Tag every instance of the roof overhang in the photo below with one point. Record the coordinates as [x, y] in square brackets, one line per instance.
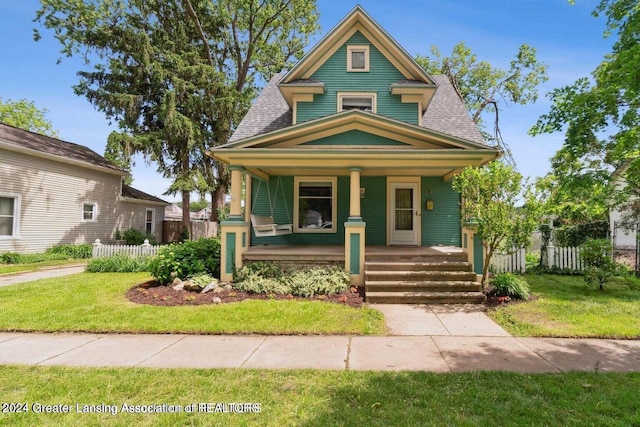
[291, 151]
[65, 160]
[414, 92]
[301, 91]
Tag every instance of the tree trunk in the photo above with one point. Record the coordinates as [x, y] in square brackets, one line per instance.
[217, 203]
[186, 213]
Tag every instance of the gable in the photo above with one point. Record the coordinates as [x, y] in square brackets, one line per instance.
[356, 138]
[381, 75]
[357, 21]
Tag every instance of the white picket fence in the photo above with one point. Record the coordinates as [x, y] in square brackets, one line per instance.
[563, 258]
[102, 251]
[509, 263]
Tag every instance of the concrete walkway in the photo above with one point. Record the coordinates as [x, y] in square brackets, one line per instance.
[44, 273]
[425, 353]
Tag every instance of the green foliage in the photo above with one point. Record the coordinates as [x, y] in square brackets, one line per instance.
[490, 195]
[136, 237]
[72, 251]
[601, 121]
[25, 115]
[576, 235]
[267, 278]
[599, 267]
[119, 263]
[16, 258]
[186, 259]
[508, 284]
[266, 269]
[202, 279]
[484, 88]
[532, 259]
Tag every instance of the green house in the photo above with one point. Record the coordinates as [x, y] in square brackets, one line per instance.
[353, 149]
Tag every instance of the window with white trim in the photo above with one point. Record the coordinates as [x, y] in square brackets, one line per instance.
[150, 221]
[315, 205]
[357, 58]
[9, 215]
[357, 101]
[89, 212]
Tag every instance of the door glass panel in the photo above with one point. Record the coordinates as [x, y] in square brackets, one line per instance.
[404, 209]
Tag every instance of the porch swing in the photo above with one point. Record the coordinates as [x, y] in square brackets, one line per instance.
[265, 226]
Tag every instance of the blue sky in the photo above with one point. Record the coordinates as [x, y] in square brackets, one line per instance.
[567, 37]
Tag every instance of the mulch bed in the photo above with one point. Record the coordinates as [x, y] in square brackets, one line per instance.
[153, 293]
[498, 301]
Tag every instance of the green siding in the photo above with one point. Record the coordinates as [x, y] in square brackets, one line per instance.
[355, 137]
[230, 253]
[440, 226]
[374, 209]
[478, 255]
[333, 73]
[283, 212]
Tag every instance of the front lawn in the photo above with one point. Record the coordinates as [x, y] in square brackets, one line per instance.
[319, 398]
[567, 307]
[96, 302]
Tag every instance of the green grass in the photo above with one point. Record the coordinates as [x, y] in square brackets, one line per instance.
[323, 398]
[21, 268]
[567, 307]
[96, 302]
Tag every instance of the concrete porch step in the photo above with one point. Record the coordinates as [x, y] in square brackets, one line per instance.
[425, 297]
[415, 257]
[422, 276]
[418, 266]
[425, 286]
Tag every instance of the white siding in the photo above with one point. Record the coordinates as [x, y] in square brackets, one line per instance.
[52, 196]
[133, 215]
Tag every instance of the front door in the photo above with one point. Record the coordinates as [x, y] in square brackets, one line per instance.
[405, 214]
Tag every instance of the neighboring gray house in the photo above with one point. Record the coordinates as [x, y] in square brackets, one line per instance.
[54, 192]
[623, 228]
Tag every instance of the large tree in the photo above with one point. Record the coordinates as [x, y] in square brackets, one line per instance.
[177, 75]
[486, 89]
[504, 209]
[25, 115]
[600, 116]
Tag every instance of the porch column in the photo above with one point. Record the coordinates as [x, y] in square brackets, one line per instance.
[354, 233]
[234, 232]
[354, 200]
[472, 245]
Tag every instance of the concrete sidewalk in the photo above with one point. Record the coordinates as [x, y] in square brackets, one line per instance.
[425, 353]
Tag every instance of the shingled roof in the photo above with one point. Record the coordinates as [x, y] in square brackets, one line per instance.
[47, 145]
[132, 193]
[446, 114]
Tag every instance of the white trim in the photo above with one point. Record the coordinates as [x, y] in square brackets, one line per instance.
[372, 95]
[153, 220]
[357, 48]
[17, 205]
[296, 206]
[391, 181]
[94, 212]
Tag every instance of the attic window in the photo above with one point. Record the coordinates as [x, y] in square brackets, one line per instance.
[357, 101]
[358, 58]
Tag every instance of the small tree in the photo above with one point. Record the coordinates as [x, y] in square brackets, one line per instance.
[490, 194]
[599, 267]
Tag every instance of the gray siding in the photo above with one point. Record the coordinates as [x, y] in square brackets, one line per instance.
[52, 197]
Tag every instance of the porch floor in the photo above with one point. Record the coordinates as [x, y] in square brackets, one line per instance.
[336, 252]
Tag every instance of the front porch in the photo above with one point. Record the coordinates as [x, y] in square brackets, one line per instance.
[391, 274]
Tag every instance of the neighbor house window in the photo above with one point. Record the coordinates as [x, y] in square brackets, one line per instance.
[89, 212]
[315, 205]
[9, 215]
[357, 101]
[358, 58]
[150, 221]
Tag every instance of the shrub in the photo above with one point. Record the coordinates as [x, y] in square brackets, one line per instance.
[576, 235]
[186, 259]
[136, 237]
[267, 278]
[266, 269]
[508, 284]
[16, 258]
[532, 260]
[72, 251]
[10, 258]
[118, 263]
[599, 267]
